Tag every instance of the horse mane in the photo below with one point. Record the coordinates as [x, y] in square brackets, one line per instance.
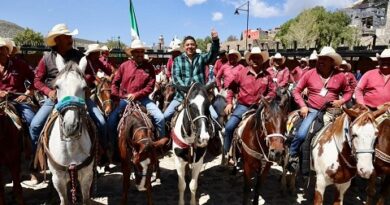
[71, 66]
[365, 118]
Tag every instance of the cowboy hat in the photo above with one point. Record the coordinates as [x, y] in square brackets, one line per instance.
[234, 52]
[136, 44]
[175, 47]
[345, 63]
[279, 57]
[57, 30]
[331, 53]
[385, 54]
[105, 48]
[257, 51]
[93, 48]
[304, 59]
[6, 43]
[313, 56]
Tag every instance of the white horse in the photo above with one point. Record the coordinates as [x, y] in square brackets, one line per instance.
[190, 138]
[344, 149]
[70, 154]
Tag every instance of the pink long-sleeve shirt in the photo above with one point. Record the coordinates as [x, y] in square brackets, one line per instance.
[228, 73]
[372, 89]
[280, 76]
[336, 85]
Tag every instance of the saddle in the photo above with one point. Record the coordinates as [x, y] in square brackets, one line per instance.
[11, 112]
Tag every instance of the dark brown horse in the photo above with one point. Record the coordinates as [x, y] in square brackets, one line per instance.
[137, 149]
[10, 152]
[262, 140]
[382, 160]
[103, 95]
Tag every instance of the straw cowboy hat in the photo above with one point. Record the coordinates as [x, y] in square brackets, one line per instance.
[257, 51]
[279, 57]
[345, 63]
[136, 44]
[6, 43]
[57, 30]
[93, 48]
[330, 52]
[313, 56]
[385, 54]
[234, 52]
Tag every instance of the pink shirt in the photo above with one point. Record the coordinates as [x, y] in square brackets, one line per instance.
[169, 68]
[372, 90]
[295, 74]
[251, 87]
[280, 76]
[336, 85]
[228, 73]
[351, 80]
[218, 65]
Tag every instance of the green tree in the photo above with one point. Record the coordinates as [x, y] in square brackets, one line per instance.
[28, 37]
[202, 43]
[111, 44]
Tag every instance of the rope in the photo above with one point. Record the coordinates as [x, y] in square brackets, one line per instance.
[382, 156]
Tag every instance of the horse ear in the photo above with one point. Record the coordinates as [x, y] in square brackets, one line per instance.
[351, 113]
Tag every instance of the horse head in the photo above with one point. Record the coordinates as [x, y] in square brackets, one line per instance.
[196, 117]
[362, 137]
[273, 118]
[103, 92]
[70, 86]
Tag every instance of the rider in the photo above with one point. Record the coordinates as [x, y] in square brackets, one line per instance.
[296, 73]
[135, 80]
[252, 83]
[228, 71]
[279, 72]
[189, 67]
[373, 89]
[312, 62]
[176, 51]
[13, 74]
[60, 40]
[324, 84]
[105, 60]
[221, 61]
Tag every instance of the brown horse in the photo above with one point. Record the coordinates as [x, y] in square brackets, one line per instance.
[381, 161]
[137, 148]
[262, 140]
[10, 152]
[103, 95]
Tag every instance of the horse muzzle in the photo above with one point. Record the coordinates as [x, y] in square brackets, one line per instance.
[275, 155]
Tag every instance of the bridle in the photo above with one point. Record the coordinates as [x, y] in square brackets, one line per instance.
[350, 138]
[99, 90]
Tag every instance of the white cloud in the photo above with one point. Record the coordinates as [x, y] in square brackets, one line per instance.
[262, 9]
[190, 3]
[217, 16]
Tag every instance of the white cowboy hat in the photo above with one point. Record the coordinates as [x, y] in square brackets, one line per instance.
[136, 44]
[234, 52]
[304, 59]
[175, 47]
[93, 48]
[257, 51]
[385, 54]
[313, 56]
[330, 52]
[279, 56]
[6, 43]
[57, 30]
[344, 62]
[105, 48]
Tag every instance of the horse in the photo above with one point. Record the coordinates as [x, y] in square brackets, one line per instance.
[10, 151]
[262, 139]
[103, 95]
[137, 148]
[69, 136]
[190, 135]
[344, 148]
[381, 160]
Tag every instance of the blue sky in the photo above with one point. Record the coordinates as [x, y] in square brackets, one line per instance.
[104, 19]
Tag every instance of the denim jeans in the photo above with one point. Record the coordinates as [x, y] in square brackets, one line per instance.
[231, 125]
[302, 132]
[171, 109]
[26, 112]
[99, 120]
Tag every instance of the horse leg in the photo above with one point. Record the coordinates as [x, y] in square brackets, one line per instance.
[385, 190]
[341, 189]
[149, 194]
[2, 198]
[319, 190]
[86, 178]
[181, 169]
[371, 189]
[59, 182]
[126, 180]
[247, 182]
[194, 180]
[17, 188]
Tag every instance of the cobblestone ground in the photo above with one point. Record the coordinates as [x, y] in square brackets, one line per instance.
[216, 187]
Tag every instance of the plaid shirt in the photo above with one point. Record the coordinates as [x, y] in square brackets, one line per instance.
[184, 73]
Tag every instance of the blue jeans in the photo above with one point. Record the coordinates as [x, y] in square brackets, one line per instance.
[39, 121]
[26, 112]
[301, 134]
[171, 109]
[231, 125]
[99, 120]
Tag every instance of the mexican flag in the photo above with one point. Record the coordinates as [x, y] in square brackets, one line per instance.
[133, 22]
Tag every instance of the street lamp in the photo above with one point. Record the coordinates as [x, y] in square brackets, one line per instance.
[240, 8]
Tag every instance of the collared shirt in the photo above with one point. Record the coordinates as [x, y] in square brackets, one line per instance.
[228, 73]
[251, 87]
[92, 68]
[185, 72]
[280, 76]
[218, 66]
[15, 73]
[169, 67]
[296, 74]
[352, 82]
[336, 85]
[372, 89]
[133, 79]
